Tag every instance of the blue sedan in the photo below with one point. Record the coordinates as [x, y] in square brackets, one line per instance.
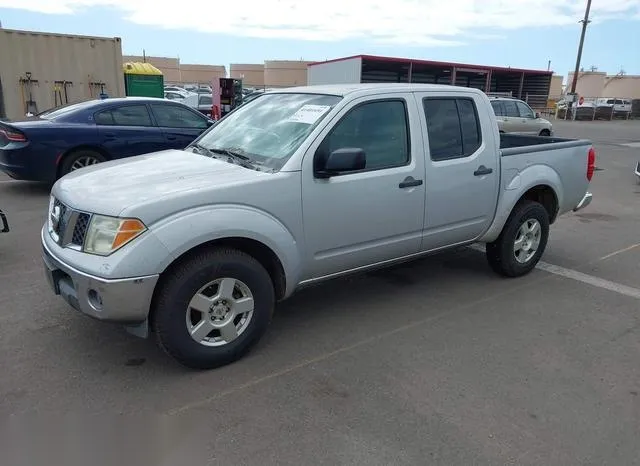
[56, 142]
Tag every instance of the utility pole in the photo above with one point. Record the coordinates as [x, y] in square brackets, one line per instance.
[584, 22]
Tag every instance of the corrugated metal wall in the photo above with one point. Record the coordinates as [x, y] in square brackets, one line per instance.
[78, 60]
[335, 72]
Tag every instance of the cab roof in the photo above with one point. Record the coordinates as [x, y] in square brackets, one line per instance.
[343, 90]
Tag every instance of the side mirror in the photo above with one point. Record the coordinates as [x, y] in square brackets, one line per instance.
[537, 115]
[210, 123]
[348, 159]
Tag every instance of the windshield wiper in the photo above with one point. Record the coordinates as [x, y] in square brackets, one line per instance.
[231, 152]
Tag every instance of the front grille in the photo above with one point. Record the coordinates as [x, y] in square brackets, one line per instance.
[80, 229]
[60, 226]
[68, 226]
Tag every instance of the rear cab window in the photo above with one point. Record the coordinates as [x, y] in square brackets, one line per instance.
[453, 127]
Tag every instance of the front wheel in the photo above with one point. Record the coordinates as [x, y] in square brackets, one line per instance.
[545, 132]
[213, 308]
[522, 241]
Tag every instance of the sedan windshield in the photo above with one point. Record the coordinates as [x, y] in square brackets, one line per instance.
[268, 130]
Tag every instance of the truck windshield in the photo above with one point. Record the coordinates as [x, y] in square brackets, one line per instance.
[269, 129]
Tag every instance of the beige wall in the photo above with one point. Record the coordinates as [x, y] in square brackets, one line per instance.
[285, 73]
[252, 75]
[201, 73]
[555, 89]
[598, 84]
[622, 86]
[170, 67]
[56, 57]
[176, 72]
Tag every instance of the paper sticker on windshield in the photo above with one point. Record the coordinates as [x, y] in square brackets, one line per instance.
[309, 114]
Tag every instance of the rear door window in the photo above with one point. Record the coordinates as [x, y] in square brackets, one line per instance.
[128, 115]
[498, 108]
[510, 109]
[453, 127]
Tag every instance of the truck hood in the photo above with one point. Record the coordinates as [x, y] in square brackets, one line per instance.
[111, 187]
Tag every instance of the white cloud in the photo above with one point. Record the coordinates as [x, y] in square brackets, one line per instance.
[410, 22]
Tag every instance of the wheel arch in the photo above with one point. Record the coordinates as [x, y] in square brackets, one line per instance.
[256, 249]
[69, 152]
[545, 195]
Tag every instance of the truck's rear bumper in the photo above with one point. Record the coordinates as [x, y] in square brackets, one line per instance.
[586, 200]
[125, 301]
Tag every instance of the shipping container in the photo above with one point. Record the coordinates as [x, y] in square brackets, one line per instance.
[39, 70]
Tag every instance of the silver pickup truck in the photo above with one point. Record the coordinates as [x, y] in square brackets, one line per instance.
[298, 186]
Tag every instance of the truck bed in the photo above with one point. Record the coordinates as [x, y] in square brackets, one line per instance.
[514, 144]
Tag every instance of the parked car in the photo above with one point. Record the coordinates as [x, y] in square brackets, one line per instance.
[59, 141]
[615, 108]
[176, 89]
[4, 223]
[584, 111]
[296, 187]
[515, 116]
[205, 104]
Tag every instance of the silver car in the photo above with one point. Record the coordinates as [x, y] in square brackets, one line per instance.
[515, 116]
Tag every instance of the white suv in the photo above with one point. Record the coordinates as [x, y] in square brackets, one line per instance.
[515, 116]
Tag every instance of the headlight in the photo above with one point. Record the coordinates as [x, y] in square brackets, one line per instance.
[108, 234]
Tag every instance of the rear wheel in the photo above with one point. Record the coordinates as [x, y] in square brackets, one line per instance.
[522, 241]
[80, 159]
[213, 308]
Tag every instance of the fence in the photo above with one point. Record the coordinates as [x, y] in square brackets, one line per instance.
[595, 108]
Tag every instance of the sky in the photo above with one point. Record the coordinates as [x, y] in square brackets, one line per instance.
[516, 33]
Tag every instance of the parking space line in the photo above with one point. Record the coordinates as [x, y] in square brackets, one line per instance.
[590, 279]
[620, 251]
[583, 277]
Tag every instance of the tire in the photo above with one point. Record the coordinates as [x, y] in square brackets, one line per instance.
[501, 253]
[545, 132]
[79, 159]
[174, 320]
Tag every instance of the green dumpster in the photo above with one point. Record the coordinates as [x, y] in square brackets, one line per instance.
[143, 80]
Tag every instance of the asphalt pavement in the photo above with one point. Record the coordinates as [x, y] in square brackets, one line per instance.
[434, 362]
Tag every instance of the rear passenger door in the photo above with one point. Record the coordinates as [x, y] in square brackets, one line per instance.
[179, 125]
[127, 130]
[462, 171]
[514, 123]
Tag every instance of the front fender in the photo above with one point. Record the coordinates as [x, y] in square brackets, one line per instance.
[186, 230]
[514, 185]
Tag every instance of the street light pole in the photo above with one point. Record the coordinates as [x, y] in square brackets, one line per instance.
[584, 22]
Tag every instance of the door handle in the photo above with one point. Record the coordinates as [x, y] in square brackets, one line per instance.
[172, 138]
[409, 182]
[109, 135]
[482, 170]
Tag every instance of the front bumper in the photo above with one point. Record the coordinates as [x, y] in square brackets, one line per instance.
[125, 301]
[586, 200]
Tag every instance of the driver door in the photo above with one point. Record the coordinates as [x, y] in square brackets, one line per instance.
[355, 219]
